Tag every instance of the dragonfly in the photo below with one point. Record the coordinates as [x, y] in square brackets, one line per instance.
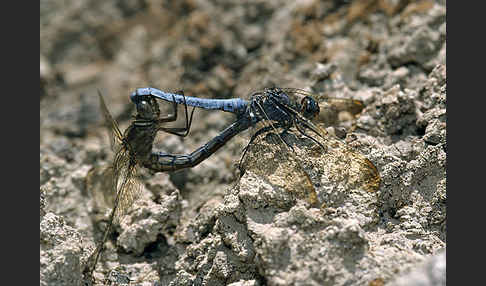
[132, 149]
[285, 109]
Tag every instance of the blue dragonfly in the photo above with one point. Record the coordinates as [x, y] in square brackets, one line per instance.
[279, 108]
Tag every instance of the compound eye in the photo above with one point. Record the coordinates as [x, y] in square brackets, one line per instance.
[310, 108]
[144, 110]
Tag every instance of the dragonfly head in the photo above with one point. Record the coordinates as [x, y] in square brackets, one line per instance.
[309, 107]
[147, 108]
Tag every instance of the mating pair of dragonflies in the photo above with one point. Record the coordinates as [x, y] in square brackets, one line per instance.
[283, 109]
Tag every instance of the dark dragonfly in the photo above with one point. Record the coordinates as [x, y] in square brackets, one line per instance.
[132, 149]
[278, 108]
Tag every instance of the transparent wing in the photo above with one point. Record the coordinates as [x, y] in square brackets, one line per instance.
[116, 136]
[335, 110]
[277, 162]
[330, 163]
[127, 188]
[342, 162]
[99, 182]
[272, 160]
[125, 182]
[348, 166]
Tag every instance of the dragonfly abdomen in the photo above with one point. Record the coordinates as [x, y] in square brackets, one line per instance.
[233, 105]
[162, 162]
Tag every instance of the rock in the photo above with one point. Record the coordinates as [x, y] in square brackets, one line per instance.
[143, 226]
[61, 252]
[431, 272]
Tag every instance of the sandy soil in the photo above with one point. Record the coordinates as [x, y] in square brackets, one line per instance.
[212, 225]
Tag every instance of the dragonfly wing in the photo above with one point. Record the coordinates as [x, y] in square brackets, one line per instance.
[333, 110]
[307, 172]
[352, 106]
[271, 158]
[125, 181]
[99, 183]
[344, 164]
[116, 136]
[126, 187]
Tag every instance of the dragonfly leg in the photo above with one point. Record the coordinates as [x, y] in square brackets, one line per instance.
[302, 131]
[171, 117]
[179, 131]
[285, 131]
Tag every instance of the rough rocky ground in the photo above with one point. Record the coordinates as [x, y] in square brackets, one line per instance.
[211, 225]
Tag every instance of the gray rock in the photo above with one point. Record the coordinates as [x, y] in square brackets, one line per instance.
[431, 272]
[61, 252]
